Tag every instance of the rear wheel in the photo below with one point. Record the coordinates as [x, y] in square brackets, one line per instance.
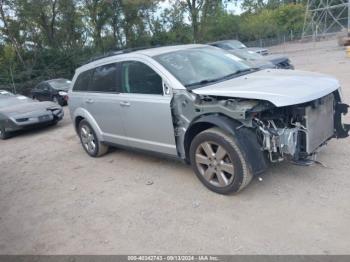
[90, 141]
[218, 162]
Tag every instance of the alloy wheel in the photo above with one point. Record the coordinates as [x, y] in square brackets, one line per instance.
[214, 164]
[88, 139]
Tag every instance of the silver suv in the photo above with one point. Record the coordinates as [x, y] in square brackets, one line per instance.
[200, 104]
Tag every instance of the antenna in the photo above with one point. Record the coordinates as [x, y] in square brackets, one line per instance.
[324, 17]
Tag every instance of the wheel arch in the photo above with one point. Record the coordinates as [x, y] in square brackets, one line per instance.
[80, 114]
[245, 137]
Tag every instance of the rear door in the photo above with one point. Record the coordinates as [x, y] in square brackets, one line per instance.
[102, 100]
[146, 109]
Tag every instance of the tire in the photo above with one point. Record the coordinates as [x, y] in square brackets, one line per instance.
[88, 138]
[3, 134]
[225, 171]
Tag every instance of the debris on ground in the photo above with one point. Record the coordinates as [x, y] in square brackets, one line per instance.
[149, 182]
[109, 179]
[196, 204]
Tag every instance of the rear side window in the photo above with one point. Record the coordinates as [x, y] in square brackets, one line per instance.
[83, 81]
[139, 78]
[106, 79]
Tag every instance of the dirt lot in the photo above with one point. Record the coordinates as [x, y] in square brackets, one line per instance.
[54, 199]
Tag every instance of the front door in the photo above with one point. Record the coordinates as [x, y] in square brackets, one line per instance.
[146, 109]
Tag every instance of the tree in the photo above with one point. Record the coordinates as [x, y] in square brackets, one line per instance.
[7, 62]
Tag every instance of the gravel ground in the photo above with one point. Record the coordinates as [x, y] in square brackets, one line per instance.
[54, 199]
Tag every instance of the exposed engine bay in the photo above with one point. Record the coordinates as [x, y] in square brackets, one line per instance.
[293, 132]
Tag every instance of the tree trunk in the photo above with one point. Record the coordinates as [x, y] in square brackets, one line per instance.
[12, 39]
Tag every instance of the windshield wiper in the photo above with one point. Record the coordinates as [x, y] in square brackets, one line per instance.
[203, 82]
[207, 81]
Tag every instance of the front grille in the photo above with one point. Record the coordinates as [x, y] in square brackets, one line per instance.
[319, 122]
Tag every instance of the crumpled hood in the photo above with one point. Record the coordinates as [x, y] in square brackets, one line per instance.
[278, 86]
[28, 107]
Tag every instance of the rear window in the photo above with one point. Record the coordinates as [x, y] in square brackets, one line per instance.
[106, 79]
[83, 81]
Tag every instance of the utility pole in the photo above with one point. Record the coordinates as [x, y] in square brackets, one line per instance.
[323, 17]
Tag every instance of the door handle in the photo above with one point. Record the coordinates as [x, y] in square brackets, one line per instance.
[89, 101]
[124, 103]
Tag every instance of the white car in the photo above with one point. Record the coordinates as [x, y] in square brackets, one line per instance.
[202, 105]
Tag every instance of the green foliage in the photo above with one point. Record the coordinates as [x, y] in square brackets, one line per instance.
[290, 17]
[43, 39]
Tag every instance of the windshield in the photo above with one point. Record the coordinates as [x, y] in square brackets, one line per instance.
[60, 84]
[198, 66]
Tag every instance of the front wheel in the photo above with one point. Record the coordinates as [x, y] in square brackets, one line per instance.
[218, 162]
[3, 134]
[90, 141]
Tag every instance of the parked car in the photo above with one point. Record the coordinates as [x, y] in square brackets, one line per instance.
[52, 90]
[197, 103]
[18, 112]
[235, 44]
[260, 64]
[4, 93]
[268, 61]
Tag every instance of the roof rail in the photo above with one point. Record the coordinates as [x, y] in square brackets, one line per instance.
[118, 52]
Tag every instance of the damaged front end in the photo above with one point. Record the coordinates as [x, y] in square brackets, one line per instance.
[298, 132]
[292, 132]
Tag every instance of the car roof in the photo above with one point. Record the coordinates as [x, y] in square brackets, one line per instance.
[56, 80]
[167, 49]
[151, 52]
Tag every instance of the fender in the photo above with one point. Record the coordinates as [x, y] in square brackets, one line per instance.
[81, 112]
[246, 139]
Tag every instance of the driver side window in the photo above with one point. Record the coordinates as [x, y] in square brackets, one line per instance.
[139, 78]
